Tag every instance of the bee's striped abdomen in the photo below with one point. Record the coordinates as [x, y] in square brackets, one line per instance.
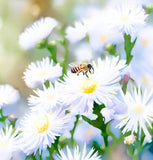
[75, 70]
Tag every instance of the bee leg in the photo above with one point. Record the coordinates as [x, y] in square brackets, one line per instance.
[78, 73]
[86, 74]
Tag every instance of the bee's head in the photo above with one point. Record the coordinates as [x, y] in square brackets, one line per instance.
[90, 67]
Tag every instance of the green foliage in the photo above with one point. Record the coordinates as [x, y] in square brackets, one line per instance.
[128, 46]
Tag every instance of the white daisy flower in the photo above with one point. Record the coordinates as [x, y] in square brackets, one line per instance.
[40, 128]
[8, 95]
[41, 71]
[37, 31]
[126, 18]
[76, 33]
[139, 112]
[47, 98]
[80, 92]
[8, 143]
[76, 154]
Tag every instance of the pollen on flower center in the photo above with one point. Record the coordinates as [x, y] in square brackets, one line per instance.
[42, 124]
[144, 42]
[103, 38]
[50, 97]
[124, 18]
[138, 109]
[88, 85]
[89, 132]
[4, 143]
[42, 74]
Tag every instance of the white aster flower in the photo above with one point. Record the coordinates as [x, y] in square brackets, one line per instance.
[139, 112]
[37, 31]
[76, 33]
[76, 154]
[47, 98]
[40, 128]
[126, 18]
[41, 71]
[8, 143]
[8, 95]
[80, 92]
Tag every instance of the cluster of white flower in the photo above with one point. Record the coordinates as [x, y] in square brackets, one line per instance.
[59, 98]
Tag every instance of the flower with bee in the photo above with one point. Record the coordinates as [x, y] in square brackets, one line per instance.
[80, 91]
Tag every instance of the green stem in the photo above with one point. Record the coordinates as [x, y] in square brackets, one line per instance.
[73, 130]
[2, 117]
[54, 147]
[65, 63]
[52, 51]
[128, 46]
[99, 122]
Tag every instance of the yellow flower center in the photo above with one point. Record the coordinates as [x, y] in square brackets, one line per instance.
[144, 42]
[103, 38]
[42, 125]
[50, 97]
[89, 132]
[4, 143]
[43, 74]
[124, 18]
[138, 109]
[88, 85]
[145, 79]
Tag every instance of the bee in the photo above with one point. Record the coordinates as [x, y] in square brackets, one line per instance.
[83, 67]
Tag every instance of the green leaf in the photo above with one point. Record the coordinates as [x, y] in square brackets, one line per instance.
[128, 46]
[98, 122]
[73, 130]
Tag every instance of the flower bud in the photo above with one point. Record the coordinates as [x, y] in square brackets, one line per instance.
[12, 117]
[149, 8]
[51, 44]
[41, 44]
[129, 139]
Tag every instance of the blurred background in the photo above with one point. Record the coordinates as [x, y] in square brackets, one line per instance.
[15, 15]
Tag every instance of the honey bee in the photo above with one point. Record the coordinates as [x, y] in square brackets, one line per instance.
[83, 67]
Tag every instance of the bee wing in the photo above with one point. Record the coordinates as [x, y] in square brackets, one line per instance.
[74, 64]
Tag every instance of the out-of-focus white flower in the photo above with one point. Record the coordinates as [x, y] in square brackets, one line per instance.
[102, 35]
[48, 98]
[40, 71]
[139, 112]
[83, 52]
[80, 92]
[8, 143]
[143, 46]
[86, 133]
[76, 33]
[8, 95]
[129, 139]
[141, 63]
[126, 18]
[37, 31]
[130, 2]
[76, 154]
[40, 128]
